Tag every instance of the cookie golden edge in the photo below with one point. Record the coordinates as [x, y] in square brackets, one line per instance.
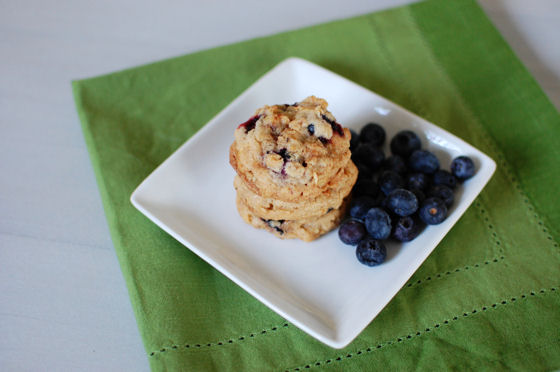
[274, 209]
[306, 230]
[285, 192]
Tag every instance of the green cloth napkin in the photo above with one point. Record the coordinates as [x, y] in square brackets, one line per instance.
[487, 298]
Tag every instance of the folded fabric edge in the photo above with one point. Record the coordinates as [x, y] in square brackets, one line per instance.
[77, 91]
[537, 198]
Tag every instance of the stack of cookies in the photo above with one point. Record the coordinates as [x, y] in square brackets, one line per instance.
[294, 173]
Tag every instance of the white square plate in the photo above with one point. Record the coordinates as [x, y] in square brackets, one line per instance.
[317, 286]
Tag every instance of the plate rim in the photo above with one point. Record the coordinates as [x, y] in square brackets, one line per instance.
[334, 342]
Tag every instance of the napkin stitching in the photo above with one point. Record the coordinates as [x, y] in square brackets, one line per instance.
[223, 342]
[531, 210]
[496, 240]
[420, 109]
[489, 225]
[231, 340]
[508, 170]
[456, 270]
[433, 328]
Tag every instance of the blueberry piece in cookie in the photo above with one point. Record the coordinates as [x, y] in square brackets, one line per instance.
[311, 129]
[284, 154]
[249, 125]
[336, 128]
[273, 224]
[290, 152]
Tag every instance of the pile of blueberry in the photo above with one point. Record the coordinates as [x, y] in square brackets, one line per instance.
[396, 196]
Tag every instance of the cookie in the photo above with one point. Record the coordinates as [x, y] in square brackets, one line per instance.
[273, 209]
[306, 229]
[290, 152]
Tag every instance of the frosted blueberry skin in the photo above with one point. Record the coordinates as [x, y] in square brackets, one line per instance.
[373, 133]
[378, 223]
[361, 205]
[368, 155]
[406, 229]
[443, 177]
[442, 192]
[351, 232]
[402, 202]
[371, 252]
[433, 211]
[395, 163]
[416, 180]
[462, 167]
[405, 143]
[412, 190]
[420, 196]
[389, 181]
[423, 161]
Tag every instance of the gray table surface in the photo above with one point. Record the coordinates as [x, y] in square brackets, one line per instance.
[63, 301]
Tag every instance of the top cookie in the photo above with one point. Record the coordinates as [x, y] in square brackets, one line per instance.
[290, 152]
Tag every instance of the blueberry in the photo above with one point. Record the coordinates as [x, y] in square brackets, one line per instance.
[373, 133]
[404, 143]
[402, 202]
[274, 224]
[368, 155]
[389, 180]
[423, 161]
[386, 205]
[365, 186]
[433, 211]
[462, 167]
[336, 128]
[442, 192]
[249, 125]
[406, 229]
[420, 196]
[395, 163]
[351, 232]
[378, 223]
[360, 205]
[443, 177]
[371, 252]
[311, 129]
[354, 140]
[364, 172]
[284, 154]
[418, 181]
